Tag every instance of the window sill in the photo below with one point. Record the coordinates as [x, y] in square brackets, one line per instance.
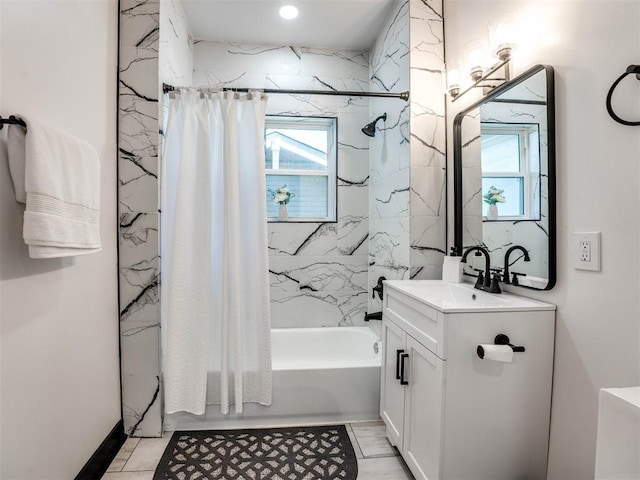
[511, 219]
[301, 220]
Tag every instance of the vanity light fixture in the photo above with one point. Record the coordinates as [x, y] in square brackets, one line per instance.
[289, 12]
[485, 77]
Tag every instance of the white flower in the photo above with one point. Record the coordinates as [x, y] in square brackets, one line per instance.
[499, 198]
[280, 197]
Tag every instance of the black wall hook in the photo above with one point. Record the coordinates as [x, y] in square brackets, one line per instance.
[631, 69]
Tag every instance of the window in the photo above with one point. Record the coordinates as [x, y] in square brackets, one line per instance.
[300, 152]
[509, 163]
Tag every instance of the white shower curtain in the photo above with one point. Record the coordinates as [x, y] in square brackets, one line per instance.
[216, 343]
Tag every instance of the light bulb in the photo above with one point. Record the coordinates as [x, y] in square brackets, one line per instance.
[453, 78]
[289, 12]
[502, 35]
[475, 58]
[453, 82]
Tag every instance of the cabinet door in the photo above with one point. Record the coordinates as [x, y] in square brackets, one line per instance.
[423, 412]
[391, 391]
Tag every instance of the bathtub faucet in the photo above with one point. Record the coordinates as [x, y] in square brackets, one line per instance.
[379, 288]
[372, 316]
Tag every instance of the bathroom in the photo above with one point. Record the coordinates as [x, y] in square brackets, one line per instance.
[61, 354]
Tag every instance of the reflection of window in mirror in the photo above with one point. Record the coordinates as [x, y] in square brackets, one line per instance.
[300, 152]
[511, 162]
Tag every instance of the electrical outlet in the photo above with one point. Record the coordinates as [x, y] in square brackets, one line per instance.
[587, 251]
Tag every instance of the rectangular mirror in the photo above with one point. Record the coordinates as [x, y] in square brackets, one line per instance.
[504, 177]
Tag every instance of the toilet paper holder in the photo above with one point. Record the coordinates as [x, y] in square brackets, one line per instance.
[501, 339]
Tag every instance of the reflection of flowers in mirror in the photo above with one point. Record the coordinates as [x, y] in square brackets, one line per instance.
[281, 195]
[494, 195]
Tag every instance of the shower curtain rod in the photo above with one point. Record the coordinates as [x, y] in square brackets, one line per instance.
[403, 95]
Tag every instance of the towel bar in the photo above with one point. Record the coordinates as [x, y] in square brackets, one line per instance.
[630, 70]
[11, 120]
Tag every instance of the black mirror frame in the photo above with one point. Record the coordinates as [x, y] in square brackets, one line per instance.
[551, 160]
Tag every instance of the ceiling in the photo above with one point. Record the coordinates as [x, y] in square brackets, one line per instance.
[344, 24]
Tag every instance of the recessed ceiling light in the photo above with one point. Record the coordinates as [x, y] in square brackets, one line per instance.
[289, 12]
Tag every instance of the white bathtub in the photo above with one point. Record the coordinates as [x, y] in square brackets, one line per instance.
[320, 375]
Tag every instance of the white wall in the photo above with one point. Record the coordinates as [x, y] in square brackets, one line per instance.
[60, 387]
[589, 43]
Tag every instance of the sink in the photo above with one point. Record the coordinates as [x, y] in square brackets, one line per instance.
[462, 297]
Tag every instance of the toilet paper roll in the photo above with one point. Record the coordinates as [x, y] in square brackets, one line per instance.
[497, 353]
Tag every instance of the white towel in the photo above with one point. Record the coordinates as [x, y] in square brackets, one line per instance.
[58, 177]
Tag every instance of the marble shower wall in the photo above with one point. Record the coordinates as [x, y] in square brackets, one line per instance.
[176, 44]
[318, 271]
[428, 139]
[389, 191]
[408, 165]
[149, 30]
[138, 212]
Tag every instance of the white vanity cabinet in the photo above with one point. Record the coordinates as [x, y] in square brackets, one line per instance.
[452, 414]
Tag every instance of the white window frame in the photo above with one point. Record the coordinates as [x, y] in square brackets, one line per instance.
[523, 130]
[328, 124]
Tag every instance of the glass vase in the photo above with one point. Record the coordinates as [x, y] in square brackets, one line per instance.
[492, 212]
[282, 212]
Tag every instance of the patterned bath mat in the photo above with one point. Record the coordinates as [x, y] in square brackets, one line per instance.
[300, 453]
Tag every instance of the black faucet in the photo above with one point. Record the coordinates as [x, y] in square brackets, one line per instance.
[372, 316]
[506, 261]
[484, 282]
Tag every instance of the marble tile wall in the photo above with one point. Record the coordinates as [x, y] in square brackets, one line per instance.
[428, 139]
[138, 213]
[472, 181]
[408, 167]
[149, 30]
[389, 191]
[318, 271]
[176, 44]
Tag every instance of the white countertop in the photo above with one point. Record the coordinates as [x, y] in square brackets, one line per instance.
[462, 297]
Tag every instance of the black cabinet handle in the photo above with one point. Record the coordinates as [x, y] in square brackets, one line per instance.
[403, 357]
[398, 353]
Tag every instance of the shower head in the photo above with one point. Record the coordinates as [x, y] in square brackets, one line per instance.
[370, 128]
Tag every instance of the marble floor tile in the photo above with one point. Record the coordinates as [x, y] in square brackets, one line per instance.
[389, 468]
[146, 455]
[123, 455]
[372, 439]
[148, 475]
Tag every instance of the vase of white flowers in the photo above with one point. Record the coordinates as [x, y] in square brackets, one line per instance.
[493, 197]
[282, 196]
